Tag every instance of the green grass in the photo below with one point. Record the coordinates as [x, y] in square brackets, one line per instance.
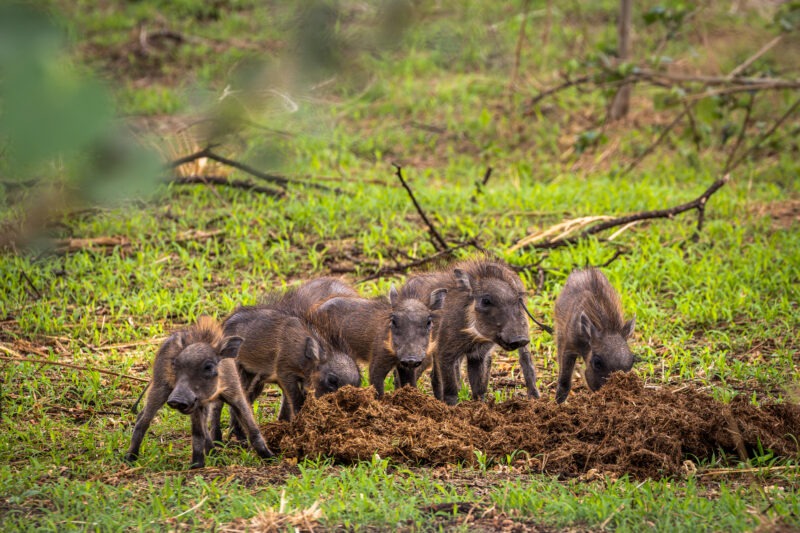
[718, 312]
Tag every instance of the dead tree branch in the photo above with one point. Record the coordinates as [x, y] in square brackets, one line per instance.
[766, 135]
[726, 84]
[438, 241]
[225, 182]
[208, 153]
[698, 203]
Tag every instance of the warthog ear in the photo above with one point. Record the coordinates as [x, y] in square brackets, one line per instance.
[494, 271]
[393, 296]
[463, 280]
[312, 349]
[627, 329]
[437, 299]
[176, 341]
[586, 329]
[230, 347]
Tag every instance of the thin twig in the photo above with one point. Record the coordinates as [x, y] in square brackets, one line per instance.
[655, 143]
[752, 470]
[781, 83]
[222, 181]
[486, 176]
[668, 80]
[21, 359]
[65, 246]
[479, 185]
[767, 134]
[30, 283]
[740, 137]
[695, 131]
[753, 58]
[739, 89]
[565, 85]
[619, 252]
[698, 203]
[442, 245]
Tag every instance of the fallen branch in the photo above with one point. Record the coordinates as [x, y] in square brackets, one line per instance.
[439, 242]
[698, 203]
[752, 470]
[222, 181]
[65, 246]
[20, 359]
[562, 229]
[208, 153]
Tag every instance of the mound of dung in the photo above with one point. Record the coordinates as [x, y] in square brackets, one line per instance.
[623, 428]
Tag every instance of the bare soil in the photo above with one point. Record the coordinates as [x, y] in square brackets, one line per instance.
[622, 429]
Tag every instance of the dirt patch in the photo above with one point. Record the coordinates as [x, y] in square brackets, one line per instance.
[784, 213]
[621, 429]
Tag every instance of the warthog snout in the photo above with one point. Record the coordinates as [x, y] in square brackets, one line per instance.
[332, 381]
[182, 404]
[411, 362]
[515, 343]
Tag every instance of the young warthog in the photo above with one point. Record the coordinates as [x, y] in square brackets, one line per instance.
[589, 324]
[484, 308]
[386, 334]
[283, 349]
[194, 368]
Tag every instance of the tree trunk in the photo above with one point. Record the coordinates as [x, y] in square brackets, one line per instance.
[619, 106]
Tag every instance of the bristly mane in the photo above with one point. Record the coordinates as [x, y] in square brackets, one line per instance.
[490, 268]
[601, 303]
[207, 330]
[413, 291]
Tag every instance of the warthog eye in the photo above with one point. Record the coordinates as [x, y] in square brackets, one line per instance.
[486, 301]
[393, 322]
[430, 322]
[597, 363]
[210, 369]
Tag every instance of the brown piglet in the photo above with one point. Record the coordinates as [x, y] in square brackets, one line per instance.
[193, 369]
[484, 309]
[384, 333]
[590, 325]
